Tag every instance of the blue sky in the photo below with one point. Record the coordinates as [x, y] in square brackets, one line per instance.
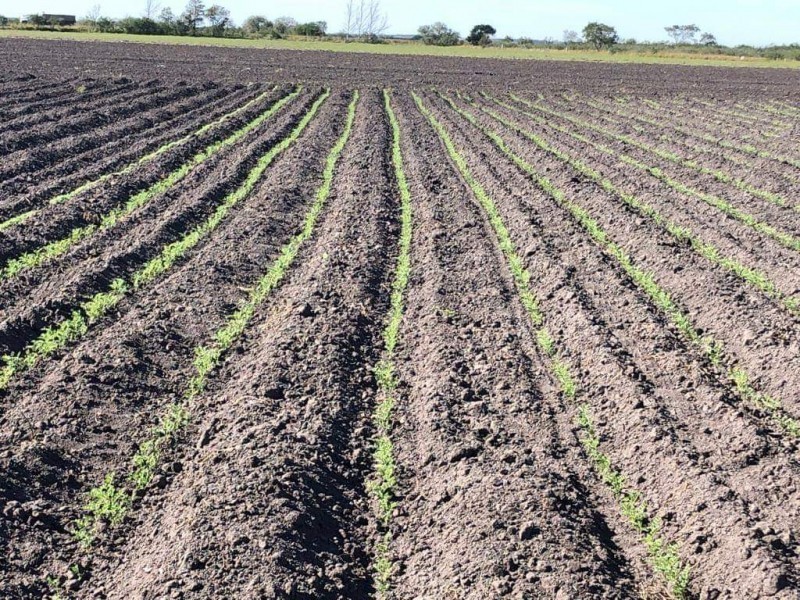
[758, 22]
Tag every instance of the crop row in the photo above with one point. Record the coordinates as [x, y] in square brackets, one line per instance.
[136, 164]
[739, 380]
[748, 149]
[56, 337]
[35, 258]
[753, 277]
[664, 557]
[110, 501]
[116, 144]
[639, 122]
[383, 486]
[784, 238]
[719, 175]
[81, 133]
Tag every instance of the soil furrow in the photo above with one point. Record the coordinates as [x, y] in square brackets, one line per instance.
[783, 215]
[462, 435]
[69, 109]
[122, 375]
[758, 335]
[769, 263]
[646, 444]
[100, 128]
[292, 443]
[156, 128]
[106, 108]
[777, 152]
[67, 285]
[100, 207]
[755, 171]
[54, 94]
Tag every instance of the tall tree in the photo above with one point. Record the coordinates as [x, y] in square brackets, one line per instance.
[481, 35]
[219, 18]
[365, 19]
[682, 34]
[151, 8]
[600, 35]
[194, 14]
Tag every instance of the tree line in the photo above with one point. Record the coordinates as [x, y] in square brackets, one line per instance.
[364, 20]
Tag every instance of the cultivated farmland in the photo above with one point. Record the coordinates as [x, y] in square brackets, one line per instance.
[440, 335]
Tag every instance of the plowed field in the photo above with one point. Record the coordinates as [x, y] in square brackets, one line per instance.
[447, 337]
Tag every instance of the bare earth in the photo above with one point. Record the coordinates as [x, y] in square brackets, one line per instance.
[678, 325]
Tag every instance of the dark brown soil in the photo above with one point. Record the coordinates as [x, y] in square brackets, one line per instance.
[57, 58]
[265, 493]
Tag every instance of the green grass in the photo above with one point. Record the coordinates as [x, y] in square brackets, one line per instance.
[670, 58]
[711, 348]
[664, 557]
[384, 484]
[35, 258]
[57, 337]
[755, 278]
[208, 357]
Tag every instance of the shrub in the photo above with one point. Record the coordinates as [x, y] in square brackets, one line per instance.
[439, 34]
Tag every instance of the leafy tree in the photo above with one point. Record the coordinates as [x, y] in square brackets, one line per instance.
[284, 25]
[105, 25]
[316, 29]
[3, 21]
[439, 34]
[166, 16]
[600, 35]
[219, 18]
[138, 25]
[683, 34]
[571, 37]
[256, 25]
[481, 35]
[193, 15]
[708, 39]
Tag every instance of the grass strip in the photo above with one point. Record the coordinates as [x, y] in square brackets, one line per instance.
[785, 239]
[660, 553]
[35, 258]
[666, 155]
[753, 277]
[111, 501]
[712, 348]
[383, 486]
[55, 338]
